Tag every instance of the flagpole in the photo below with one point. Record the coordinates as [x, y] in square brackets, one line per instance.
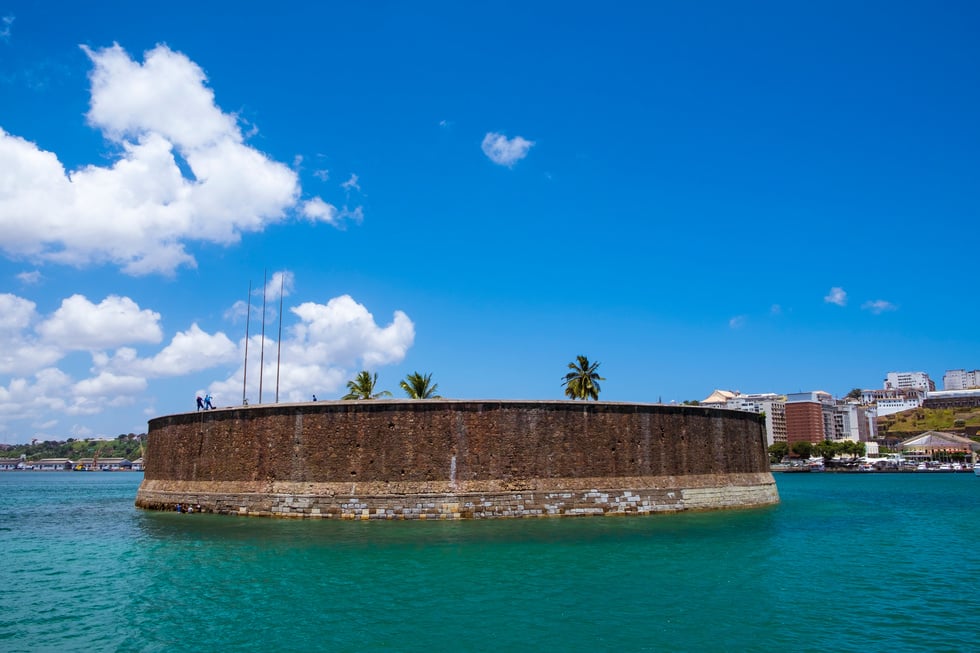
[248, 317]
[265, 279]
[279, 340]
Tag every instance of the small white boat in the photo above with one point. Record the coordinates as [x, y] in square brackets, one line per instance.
[976, 468]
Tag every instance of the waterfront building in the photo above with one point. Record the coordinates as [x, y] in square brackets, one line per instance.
[874, 395]
[901, 380]
[893, 400]
[953, 399]
[768, 403]
[853, 422]
[52, 465]
[809, 417]
[961, 379]
[9, 464]
[773, 406]
[892, 406]
[103, 464]
[718, 398]
[939, 445]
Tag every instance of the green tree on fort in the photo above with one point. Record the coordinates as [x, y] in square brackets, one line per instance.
[583, 380]
[418, 386]
[362, 387]
[854, 394]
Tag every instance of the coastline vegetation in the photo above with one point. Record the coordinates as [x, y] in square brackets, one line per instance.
[127, 445]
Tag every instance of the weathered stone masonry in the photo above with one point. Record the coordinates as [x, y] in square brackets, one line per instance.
[439, 459]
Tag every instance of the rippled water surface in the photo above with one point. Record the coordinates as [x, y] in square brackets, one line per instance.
[844, 563]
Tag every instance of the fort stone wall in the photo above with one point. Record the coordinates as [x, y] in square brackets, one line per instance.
[423, 459]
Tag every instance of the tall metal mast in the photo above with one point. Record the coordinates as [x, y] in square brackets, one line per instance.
[279, 339]
[248, 317]
[265, 280]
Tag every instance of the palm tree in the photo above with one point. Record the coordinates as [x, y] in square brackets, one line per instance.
[362, 387]
[583, 381]
[417, 386]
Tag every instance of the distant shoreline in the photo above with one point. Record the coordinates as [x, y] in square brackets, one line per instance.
[80, 471]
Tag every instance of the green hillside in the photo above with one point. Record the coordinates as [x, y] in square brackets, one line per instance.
[962, 421]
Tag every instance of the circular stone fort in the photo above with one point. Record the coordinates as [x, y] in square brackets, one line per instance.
[456, 459]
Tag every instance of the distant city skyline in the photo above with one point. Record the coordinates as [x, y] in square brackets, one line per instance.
[753, 197]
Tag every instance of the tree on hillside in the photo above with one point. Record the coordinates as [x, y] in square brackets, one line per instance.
[418, 386]
[854, 394]
[362, 387]
[583, 380]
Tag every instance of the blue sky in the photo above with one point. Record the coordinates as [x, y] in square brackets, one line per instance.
[764, 197]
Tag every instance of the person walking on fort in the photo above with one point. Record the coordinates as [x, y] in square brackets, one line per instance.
[207, 402]
[200, 403]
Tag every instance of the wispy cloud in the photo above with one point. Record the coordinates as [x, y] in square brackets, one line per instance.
[737, 322]
[351, 184]
[879, 306]
[836, 296]
[30, 278]
[6, 24]
[283, 281]
[505, 151]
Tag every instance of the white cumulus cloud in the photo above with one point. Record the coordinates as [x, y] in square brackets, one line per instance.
[836, 296]
[279, 281]
[319, 353]
[316, 210]
[505, 151]
[20, 352]
[141, 211]
[189, 351]
[331, 342]
[78, 324]
[108, 386]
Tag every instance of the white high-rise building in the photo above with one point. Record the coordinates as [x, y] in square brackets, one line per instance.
[774, 407]
[854, 422]
[902, 380]
[961, 379]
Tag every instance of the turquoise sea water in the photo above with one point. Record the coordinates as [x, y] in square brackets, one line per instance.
[850, 562]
